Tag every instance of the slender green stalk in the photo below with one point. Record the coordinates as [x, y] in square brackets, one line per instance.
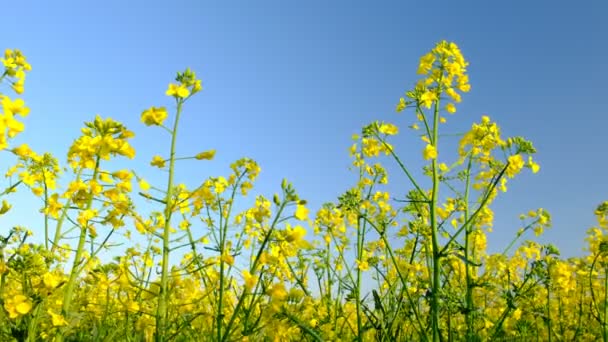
[162, 309]
[76, 265]
[62, 218]
[222, 249]
[46, 216]
[360, 238]
[33, 324]
[435, 286]
[469, 317]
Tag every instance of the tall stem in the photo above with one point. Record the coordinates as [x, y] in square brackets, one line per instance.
[161, 310]
[46, 216]
[469, 317]
[434, 227]
[360, 237]
[76, 265]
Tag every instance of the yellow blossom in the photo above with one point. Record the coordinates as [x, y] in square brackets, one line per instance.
[23, 150]
[227, 258]
[154, 116]
[158, 161]
[143, 185]
[57, 319]
[207, 155]
[249, 279]
[301, 212]
[533, 166]
[362, 265]
[388, 129]
[516, 163]
[177, 91]
[427, 98]
[450, 108]
[5, 207]
[295, 234]
[17, 306]
[429, 152]
[51, 280]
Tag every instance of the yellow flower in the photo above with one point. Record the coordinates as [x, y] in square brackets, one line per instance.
[301, 212]
[426, 63]
[18, 305]
[388, 129]
[197, 86]
[401, 106]
[207, 155]
[294, 235]
[250, 280]
[154, 116]
[516, 163]
[158, 161]
[5, 207]
[465, 88]
[362, 265]
[143, 185]
[53, 206]
[85, 216]
[429, 152]
[14, 107]
[450, 108]
[57, 319]
[534, 166]
[453, 94]
[51, 280]
[132, 306]
[427, 98]
[220, 185]
[23, 151]
[177, 91]
[227, 258]
[277, 292]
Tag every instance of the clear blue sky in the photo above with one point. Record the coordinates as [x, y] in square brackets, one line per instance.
[288, 82]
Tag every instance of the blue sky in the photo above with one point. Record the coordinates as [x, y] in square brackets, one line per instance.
[287, 83]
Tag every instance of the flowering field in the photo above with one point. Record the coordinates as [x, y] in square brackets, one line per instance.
[383, 262]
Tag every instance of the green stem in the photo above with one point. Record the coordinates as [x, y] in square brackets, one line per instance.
[46, 216]
[62, 218]
[67, 298]
[223, 225]
[469, 317]
[360, 237]
[434, 231]
[161, 310]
